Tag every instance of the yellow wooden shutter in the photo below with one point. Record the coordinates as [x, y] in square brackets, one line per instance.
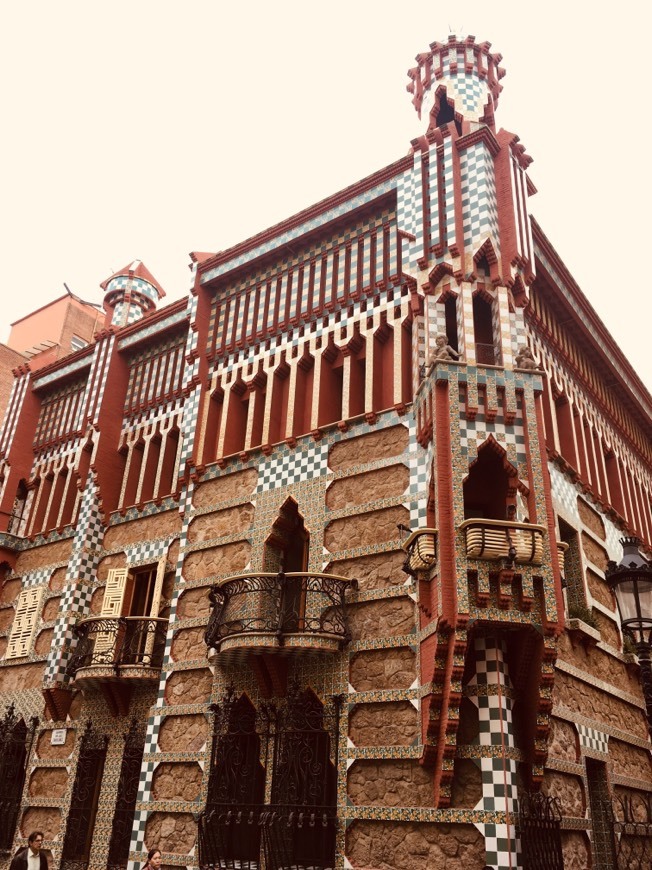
[114, 593]
[24, 625]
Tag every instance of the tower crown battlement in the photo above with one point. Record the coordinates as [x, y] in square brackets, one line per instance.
[464, 73]
[130, 293]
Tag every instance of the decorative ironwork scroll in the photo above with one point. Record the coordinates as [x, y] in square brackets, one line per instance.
[539, 827]
[297, 828]
[123, 818]
[279, 604]
[630, 815]
[229, 827]
[83, 805]
[16, 740]
[118, 642]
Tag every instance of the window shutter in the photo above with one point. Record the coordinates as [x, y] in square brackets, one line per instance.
[114, 594]
[22, 630]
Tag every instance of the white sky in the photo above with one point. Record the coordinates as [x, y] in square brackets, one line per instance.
[148, 129]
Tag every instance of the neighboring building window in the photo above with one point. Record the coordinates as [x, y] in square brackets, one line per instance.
[24, 625]
[77, 343]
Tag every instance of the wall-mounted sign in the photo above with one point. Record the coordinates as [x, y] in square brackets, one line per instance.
[58, 737]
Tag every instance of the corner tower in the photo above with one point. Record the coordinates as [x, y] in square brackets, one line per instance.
[130, 293]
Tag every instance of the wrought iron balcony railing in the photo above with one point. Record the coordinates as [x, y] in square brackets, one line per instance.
[272, 611]
[503, 539]
[118, 643]
[232, 835]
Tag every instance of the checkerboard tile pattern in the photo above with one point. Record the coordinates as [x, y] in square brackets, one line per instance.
[499, 773]
[420, 464]
[479, 203]
[447, 192]
[147, 552]
[473, 433]
[77, 592]
[293, 466]
[35, 578]
[469, 92]
[593, 741]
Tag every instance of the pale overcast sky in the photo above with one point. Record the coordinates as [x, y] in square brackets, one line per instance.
[149, 129]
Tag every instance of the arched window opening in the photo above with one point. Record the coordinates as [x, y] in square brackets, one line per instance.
[446, 113]
[16, 741]
[303, 779]
[42, 501]
[213, 424]
[302, 420]
[383, 380]
[450, 315]
[258, 391]
[150, 468]
[613, 477]
[71, 497]
[236, 419]
[78, 838]
[132, 473]
[279, 405]
[292, 740]
[229, 832]
[406, 363]
[125, 807]
[485, 352]
[488, 485]
[286, 551]
[357, 377]
[565, 430]
[17, 517]
[330, 386]
[168, 480]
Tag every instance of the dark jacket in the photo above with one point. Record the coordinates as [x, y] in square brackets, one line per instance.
[20, 860]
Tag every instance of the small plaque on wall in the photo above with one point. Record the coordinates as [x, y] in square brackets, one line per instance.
[58, 737]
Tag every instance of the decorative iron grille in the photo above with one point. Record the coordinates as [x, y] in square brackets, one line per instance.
[123, 818]
[630, 816]
[279, 604]
[83, 805]
[298, 827]
[229, 827]
[539, 828]
[118, 642]
[16, 740]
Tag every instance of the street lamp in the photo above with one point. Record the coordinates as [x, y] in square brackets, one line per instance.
[631, 581]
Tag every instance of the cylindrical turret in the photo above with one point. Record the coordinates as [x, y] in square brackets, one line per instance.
[130, 293]
[457, 80]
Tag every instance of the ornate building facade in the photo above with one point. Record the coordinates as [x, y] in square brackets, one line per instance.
[308, 570]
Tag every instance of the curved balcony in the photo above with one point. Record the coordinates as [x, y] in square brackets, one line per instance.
[117, 648]
[279, 612]
[503, 539]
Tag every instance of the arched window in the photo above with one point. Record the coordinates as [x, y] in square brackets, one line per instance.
[15, 746]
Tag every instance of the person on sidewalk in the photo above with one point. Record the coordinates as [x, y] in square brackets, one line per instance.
[31, 858]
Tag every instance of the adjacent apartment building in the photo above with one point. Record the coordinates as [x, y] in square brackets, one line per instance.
[308, 570]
